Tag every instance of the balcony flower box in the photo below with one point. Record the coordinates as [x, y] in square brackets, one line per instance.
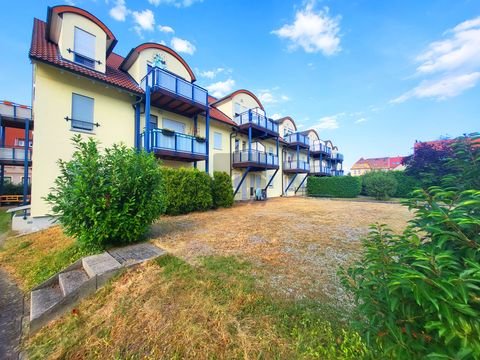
[168, 132]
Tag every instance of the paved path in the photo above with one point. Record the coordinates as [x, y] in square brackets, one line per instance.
[11, 310]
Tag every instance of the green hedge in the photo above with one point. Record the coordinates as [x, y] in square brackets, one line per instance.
[13, 189]
[337, 186]
[186, 190]
[405, 184]
[222, 190]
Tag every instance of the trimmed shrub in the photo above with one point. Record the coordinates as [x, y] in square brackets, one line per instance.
[337, 186]
[186, 190]
[107, 199]
[405, 184]
[222, 190]
[381, 185]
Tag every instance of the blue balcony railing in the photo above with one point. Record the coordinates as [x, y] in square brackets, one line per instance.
[320, 147]
[14, 154]
[337, 172]
[162, 79]
[296, 165]
[317, 168]
[253, 116]
[256, 157]
[337, 156]
[162, 139]
[297, 138]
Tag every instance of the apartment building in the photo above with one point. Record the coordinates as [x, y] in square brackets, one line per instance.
[15, 152]
[149, 99]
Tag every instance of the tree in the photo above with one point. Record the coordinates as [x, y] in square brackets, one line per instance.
[107, 199]
[379, 184]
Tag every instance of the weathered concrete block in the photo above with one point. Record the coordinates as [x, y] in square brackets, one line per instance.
[100, 264]
[71, 280]
[136, 254]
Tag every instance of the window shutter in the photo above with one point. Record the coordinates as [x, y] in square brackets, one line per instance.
[84, 43]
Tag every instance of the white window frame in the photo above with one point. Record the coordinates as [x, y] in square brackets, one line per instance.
[82, 117]
[84, 52]
[217, 141]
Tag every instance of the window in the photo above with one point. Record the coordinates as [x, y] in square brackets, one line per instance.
[174, 126]
[21, 142]
[82, 112]
[153, 122]
[237, 145]
[270, 150]
[84, 47]
[217, 141]
[239, 108]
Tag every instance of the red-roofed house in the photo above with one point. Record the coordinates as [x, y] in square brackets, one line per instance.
[363, 166]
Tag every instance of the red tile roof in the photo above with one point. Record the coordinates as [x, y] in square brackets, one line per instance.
[44, 50]
[389, 163]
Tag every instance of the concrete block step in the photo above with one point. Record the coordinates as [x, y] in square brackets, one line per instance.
[44, 299]
[72, 280]
[100, 264]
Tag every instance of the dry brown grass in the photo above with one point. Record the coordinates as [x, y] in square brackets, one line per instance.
[32, 258]
[298, 243]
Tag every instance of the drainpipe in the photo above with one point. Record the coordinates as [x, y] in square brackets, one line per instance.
[136, 105]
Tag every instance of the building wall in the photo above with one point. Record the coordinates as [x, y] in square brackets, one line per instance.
[52, 102]
[138, 70]
[66, 40]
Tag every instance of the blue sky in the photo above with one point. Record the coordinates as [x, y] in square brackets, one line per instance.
[373, 76]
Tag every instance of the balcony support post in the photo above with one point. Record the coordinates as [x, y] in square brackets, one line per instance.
[241, 180]
[207, 137]
[25, 164]
[290, 183]
[298, 155]
[301, 183]
[271, 179]
[2, 167]
[137, 126]
[250, 142]
[148, 136]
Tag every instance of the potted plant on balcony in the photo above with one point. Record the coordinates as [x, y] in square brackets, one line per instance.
[168, 132]
[200, 139]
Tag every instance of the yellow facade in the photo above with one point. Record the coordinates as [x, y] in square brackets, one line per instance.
[114, 111]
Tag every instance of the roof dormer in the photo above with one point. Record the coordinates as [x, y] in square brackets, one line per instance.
[148, 55]
[81, 37]
[239, 102]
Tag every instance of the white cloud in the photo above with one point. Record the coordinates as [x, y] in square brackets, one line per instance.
[441, 89]
[165, 29]
[211, 74]
[360, 120]
[328, 122]
[176, 3]
[268, 96]
[221, 88]
[182, 46]
[276, 116]
[144, 20]
[119, 12]
[312, 30]
[449, 66]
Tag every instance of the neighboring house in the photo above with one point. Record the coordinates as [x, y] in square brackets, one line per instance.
[363, 166]
[149, 100]
[13, 119]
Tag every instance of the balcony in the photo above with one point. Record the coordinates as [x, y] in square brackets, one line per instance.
[176, 146]
[320, 170]
[257, 160]
[296, 167]
[337, 157]
[337, 172]
[172, 93]
[260, 124]
[14, 156]
[297, 139]
[317, 149]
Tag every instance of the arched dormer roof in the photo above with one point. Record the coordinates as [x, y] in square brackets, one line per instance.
[330, 143]
[240, 91]
[54, 16]
[281, 120]
[306, 132]
[135, 52]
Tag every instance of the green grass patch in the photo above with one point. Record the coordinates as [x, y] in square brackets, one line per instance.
[5, 220]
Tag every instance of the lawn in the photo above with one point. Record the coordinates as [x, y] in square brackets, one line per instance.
[258, 280]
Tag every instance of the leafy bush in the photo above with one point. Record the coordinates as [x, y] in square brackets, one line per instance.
[379, 184]
[222, 190]
[186, 190]
[337, 186]
[418, 293]
[405, 184]
[107, 199]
